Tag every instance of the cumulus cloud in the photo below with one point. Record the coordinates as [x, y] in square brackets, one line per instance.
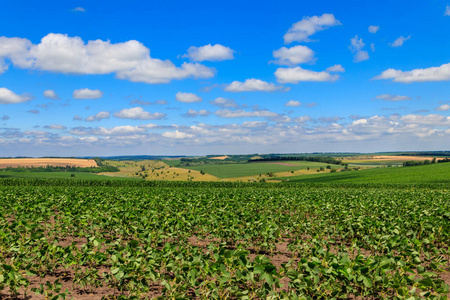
[79, 9]
[50, 94]
[138, 113]
[77, 118]
[443, 107]
[293, 56]
[33, 111]
[391, 97]
[98, 117]
[447, 10]
[224, 102]
[87, 94]
[193, 113]
[399, 41]
[187, 97]
[298, 74]
[209, 52]
[302, 30]
[356, 46]
[251, 85]
[335, 68]
[56, 127]
[226, 113]
[71, 55]
[441, 73]
[293, 103]
[373, 28]
[177, 135]
[9, 97]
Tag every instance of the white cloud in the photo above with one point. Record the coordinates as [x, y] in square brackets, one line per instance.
[87, 94]
[335, 68]
[372, 47]
[302, 119]
[433, 119]
[138, 113]
[293, 103]
[9, 97]
[187, 97]
[208, 52]
[50, 94]
[373, 28]
[390, 97]
[77, 118]
[293, 56]
[399, 41]
[193, 113]
[177, 135]
[251, 85]
[297, 74]
[447, 10]
[356, 46]
[79, 9]
[55, 126]
[224, 102]
[443, 107]
[441, 73]
[98, 117]
[70, 55]
[226, 113]
[302, 30]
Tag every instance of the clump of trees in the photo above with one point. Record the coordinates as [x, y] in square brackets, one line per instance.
[411, 163]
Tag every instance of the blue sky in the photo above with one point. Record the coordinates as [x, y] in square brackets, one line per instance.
[202, 77]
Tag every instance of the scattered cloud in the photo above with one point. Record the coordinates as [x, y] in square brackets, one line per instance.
[298, 74]
[372, 47]
[4, 118]
[441, 73]
[251, 85]
[335, 68]
[187, 97]
[98, 117]
[55, 127]
[373, 28]
[226, 113]
[224, 102]
[33, 111]
[447, 10]
[77, 118]
[330, 119]
[9, 97]
[293, 103]
[356, 46]
[71, 55]
[78, 9]
[399, 41]
[391, 97]
[209, 52]
[50, 94]
[302, 30]
[138, 113]
[293, 56]
[443, 107]
[177, 135]
[193, 113]
[87, 94]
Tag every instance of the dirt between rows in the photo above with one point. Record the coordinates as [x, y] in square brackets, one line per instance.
[43, 162]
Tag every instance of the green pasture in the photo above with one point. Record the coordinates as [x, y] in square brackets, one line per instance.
[249, 169]
[433, 173]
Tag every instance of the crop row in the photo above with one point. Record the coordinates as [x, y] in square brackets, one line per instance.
[224, 243]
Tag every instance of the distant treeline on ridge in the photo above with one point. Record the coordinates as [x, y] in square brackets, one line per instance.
[322, 159]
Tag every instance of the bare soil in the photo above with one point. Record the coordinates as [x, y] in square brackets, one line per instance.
[43, 162]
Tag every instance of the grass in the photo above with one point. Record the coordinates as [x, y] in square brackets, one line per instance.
[57, 175]
[434, 173]
[249, 169]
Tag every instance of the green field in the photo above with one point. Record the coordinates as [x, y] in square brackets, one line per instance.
[221, 240]
[59, 175]
[433, 173]
[254, 169]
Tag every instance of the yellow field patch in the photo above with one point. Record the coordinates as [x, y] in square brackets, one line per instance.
[43, 162]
